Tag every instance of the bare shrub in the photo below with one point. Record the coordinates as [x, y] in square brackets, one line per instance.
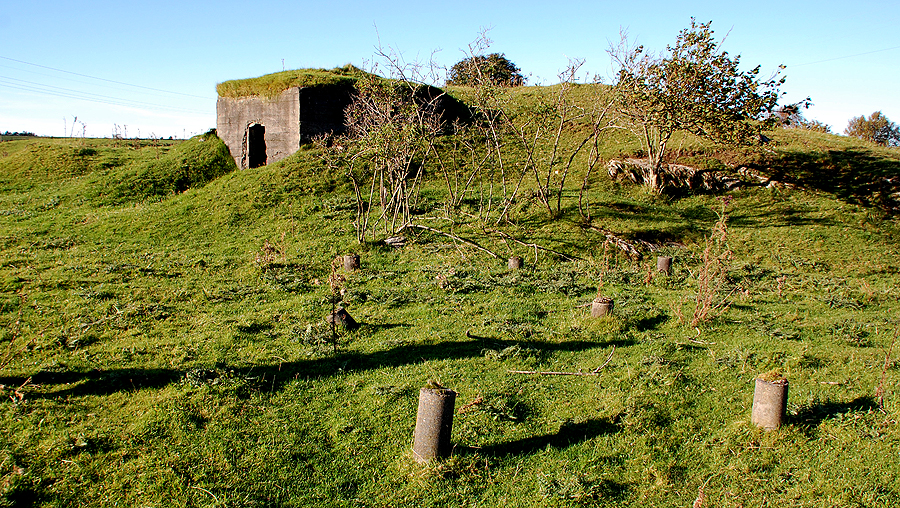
[269, 253]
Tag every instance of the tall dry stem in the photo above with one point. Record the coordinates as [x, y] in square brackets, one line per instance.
[713, 271]
[336, 282]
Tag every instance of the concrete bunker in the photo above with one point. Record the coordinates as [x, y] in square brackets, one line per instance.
[260, 130]
[262, 122]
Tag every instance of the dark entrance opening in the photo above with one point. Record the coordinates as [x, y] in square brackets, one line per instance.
[256, 145]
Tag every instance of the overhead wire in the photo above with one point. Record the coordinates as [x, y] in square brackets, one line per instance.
[102, 79]
[845, 57]
[41, 89]
[30, 86]
[92, 84]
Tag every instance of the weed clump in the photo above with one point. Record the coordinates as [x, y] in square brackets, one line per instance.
[773, 376]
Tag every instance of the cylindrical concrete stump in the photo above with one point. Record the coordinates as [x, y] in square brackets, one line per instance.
[664, 264]
[351, 262]
[434, 423]
[515, 263]
[769, 403]
[601, 307]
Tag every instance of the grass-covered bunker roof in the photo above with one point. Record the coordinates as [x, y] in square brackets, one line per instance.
[273, 84]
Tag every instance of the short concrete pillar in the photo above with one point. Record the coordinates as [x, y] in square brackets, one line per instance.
[601, 306]
[341, 317]
[351, 262]
[515, 263]
[434, 424]
[769, 403]
[664, 264]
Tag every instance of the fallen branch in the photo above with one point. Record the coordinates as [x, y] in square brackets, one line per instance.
[625, 245]
[595, 372]
[567, 257]
[478, 400]
[18, 395]
[455, 237]
[551, 373]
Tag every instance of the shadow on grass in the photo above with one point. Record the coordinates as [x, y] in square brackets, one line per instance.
[810, 416]
[568, 435]
[646, 222]
[780, 217]
[373, 328]
[646, 323]
[275, 376]
[853, 175]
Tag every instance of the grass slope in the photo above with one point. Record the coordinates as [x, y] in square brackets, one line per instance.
[173, 360]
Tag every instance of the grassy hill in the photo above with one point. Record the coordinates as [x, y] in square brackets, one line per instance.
[164, 341]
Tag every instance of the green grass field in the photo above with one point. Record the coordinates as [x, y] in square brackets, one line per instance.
[155, 352]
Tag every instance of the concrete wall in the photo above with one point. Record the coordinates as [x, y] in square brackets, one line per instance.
[322, 109]
[295, 116]
[279, 115]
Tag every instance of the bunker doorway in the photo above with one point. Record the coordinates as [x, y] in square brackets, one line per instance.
[256, 145]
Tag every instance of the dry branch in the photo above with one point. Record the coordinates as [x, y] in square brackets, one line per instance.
[455, 237]
[563, 255]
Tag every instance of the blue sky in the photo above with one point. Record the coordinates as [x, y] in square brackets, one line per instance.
[158, 62]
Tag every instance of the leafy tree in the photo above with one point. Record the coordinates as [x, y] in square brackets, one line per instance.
[494, 68]
[695, 87]
[790, 117]
[877, 129]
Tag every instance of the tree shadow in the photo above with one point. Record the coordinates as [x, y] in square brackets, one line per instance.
[810, 416]
[646, 323]
[854, 175]
[568, 435]
[377, 327]
[253, 328]
[778, 216]
[696, 220]
[275, 376]
[95, 382]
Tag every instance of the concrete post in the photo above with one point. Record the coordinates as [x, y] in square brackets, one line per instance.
[769, 403]
[434, 424]
[601, 306]
[515, 263]
[663, 264]
[351, 262]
